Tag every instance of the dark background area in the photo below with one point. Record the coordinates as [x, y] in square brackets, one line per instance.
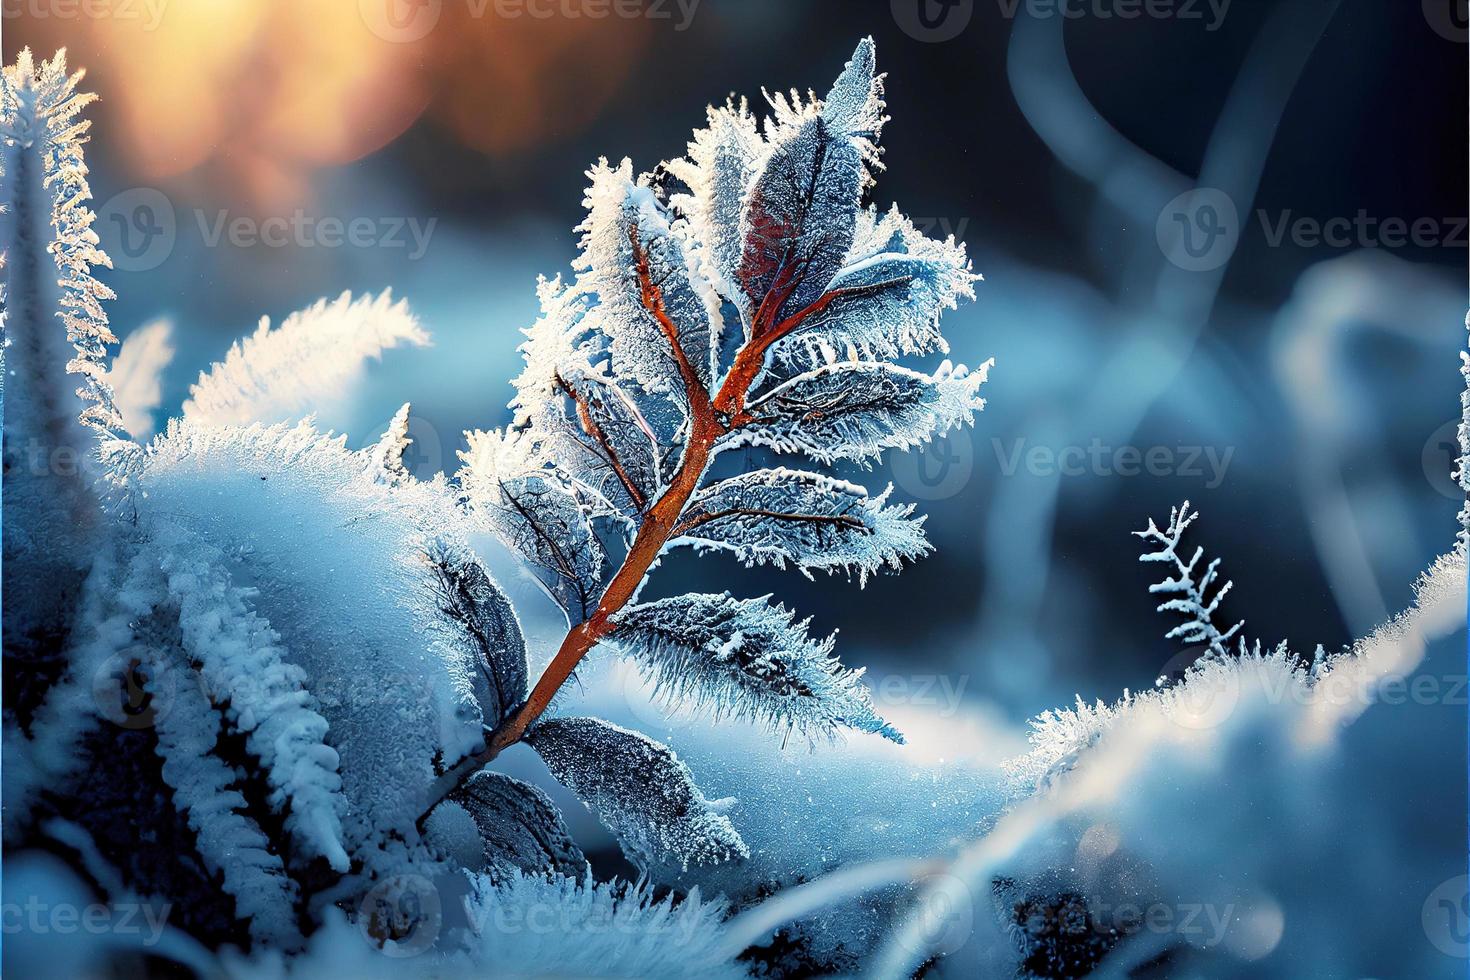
[1336, 493]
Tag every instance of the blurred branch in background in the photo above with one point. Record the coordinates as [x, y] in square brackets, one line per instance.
[1334, 302]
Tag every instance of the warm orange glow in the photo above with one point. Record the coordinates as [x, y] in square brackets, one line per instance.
[257, 94]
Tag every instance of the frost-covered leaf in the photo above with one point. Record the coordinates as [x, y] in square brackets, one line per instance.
[854, 106]
[799, 218]
[857, 409]
[815, 522]
[336, 562]
[519, 826]
[231, 843]
[535, 516]
[51, 247]
[307, 364]
[654, 308]
[747, 658]
[264, 696]
[136, 376]
[639, 790]
[610, 447]
[887, 299]
[469, 599]
[578, 418]
[718, 171]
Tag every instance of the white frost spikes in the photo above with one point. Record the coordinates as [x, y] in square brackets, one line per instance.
[894, 285]
[749, 659]
[58, 408]
[314, 356]
[639, 790]
[242, 663]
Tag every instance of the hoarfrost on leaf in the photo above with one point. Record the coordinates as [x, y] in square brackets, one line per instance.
[336, 563]
[59, 407]
[521, 828]
[231, 843]
[242, 665]
[653, 305]
[853, 409]
[720, 166]
[639, 790]
[471, 601]
[747, 658]
[533, 514]
[887, 299]
[815, 522]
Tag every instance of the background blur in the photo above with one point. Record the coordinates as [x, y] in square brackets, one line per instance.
[1152, 342]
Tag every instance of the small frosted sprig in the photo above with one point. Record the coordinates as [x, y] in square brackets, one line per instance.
[1193, 597]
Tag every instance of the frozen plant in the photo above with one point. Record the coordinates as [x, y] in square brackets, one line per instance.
[740, 296]
[281, 657]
